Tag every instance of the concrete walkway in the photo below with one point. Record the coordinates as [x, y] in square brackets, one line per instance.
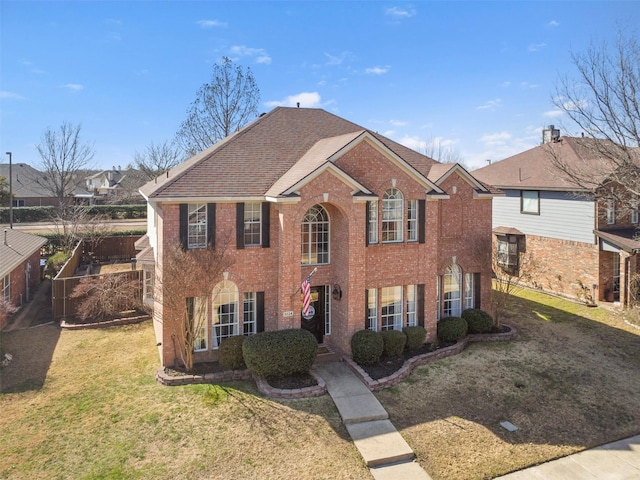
[383, 449]
[615, 461]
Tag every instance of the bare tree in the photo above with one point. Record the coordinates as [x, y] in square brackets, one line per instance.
[157, 158]
[63, 157]
[75, 222]
[105, 296]
[604, 103]
[185, 289]
[221, 107]
[436, 149]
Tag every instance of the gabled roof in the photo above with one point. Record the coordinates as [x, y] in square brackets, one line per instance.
[534, 169]
[270, 155]
[27, 182]
[440, 172]
[19, 247]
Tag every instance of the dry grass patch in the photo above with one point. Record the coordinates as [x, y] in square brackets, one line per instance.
[570, 381]
[100, 414]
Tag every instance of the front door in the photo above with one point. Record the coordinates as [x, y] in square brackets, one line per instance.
[315, 324]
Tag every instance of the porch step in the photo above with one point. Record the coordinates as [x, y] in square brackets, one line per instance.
[325, 354]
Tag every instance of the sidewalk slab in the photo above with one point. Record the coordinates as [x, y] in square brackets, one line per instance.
[359, 408]
[379, 442]
[404, 471]
[340, 381]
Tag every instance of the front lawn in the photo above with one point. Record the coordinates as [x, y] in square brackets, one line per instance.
[568, 382]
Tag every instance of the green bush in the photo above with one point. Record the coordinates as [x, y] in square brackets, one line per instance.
[415, 337]
[394, 342]
[366, 347]
[280, 353]
[40, 214]
[55, 262]
[452, 329]
[230, 353]
[478, 320]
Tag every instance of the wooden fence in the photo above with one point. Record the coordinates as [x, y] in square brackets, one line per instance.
[62, 288]
[114, 249]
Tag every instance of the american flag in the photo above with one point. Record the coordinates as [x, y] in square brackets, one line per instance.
[306, 295]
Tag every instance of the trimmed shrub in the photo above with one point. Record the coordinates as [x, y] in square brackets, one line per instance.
[55, 262]
[452, 329]
[280, 353]
[366, 347]
[394, 342]
[230, 353]
[478, 320]
[415, 337]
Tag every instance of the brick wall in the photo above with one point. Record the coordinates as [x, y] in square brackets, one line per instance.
[18, 283]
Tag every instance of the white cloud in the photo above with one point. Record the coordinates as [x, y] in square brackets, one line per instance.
[76, 87]
[211, 23]
[260, 54]
[528, 85]
[494, 139]
[377, 70]
[534, 47]
[306, 100]
[10, 95]
[490, 105]
[506, 84]
[338, 59]
[399, 123]
[553, 113]
[399, 13]
[553, 23]
[413, 142]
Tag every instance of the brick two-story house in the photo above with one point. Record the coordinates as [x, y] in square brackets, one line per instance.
[581, 244]
[397, 239]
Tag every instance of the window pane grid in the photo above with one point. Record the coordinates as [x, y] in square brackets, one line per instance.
[327, 310]
[451, 287]
[315, 237]
[412, 221]
[373, 222]
[197, 225]
[6, 288]
[411, 306]
[249, 308]
[372, 307]
[391, 301]
[468, 290]
[252, 226]
[225, 312]
[392, 211]
[197, 315]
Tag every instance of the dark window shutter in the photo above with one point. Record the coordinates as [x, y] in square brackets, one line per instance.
[420, 305]
[366, 309]
[266, 224]
[421, 220]
[211, 225]
[366, 225]
[184, 226]
[476, 290]
[239, 226]
[259, 312]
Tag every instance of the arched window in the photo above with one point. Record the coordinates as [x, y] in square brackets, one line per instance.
[315, 236]
[225, 312]
[392, 211]
[452, 285]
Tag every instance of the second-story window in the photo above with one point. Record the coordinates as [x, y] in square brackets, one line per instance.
[197, 227]
[530, 202]
[252, 223]
[412, 221]
[611, 211]
[315, 236]
[392, 216]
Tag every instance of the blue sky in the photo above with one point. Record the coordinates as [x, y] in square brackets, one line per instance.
[475, 76]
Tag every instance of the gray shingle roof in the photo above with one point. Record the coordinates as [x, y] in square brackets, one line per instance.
[19, 246]
[249, 162]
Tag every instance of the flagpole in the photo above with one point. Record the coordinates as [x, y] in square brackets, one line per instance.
[309, 276]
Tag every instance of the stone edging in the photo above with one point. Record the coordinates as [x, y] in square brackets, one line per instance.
[307, 392]
[110, 323]
[411, 364]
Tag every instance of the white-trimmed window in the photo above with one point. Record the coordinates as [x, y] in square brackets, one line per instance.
[315, 236]
[6, 288]
[327, 310]
[197, 318]
[148, 286]
[391, 303]
[373, 222]
[634, 210]
[225, 312]
[250, 309]
[611, 211]
[452, 284]
[392, 216]
[197, 226]
[252, 223]
[530, 202]
[372, 309]
[412, 295]
[412, 221]
[468, 290]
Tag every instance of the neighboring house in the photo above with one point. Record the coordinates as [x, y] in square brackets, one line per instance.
[580, 247]
[28, 186]
[19, 266]
[115, 185]
[397, 238]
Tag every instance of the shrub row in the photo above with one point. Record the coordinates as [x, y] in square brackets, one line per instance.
[367, 346]
[473, 320]
[40, 214]
[280, 353]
